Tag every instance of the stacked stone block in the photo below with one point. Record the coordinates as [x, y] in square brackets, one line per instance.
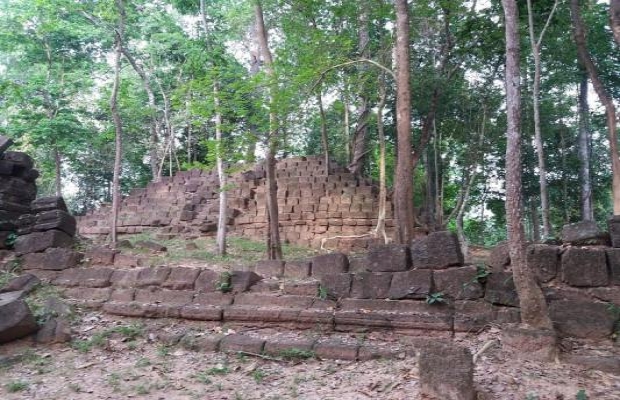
[17, 189]
[313, 205]
[46, 236]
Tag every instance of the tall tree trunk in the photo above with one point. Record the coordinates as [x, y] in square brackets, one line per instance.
[614, 19]
[565, 169]
[361, 130]
[221, 173]
[604, 97]
[154, 126]
[587, 211]
[118, 125]
[380, 228]
[274, 246]
[324, 142]
[534, 220]
[533, 306]
[542, 169]
[58, 168]
[403, 180]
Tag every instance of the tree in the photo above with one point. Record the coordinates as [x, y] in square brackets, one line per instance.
[403, 180]
[118, 123]
[587, 211]
[535, 43]
[531, 300]
[610, 110]
[274, 246]
[614, 18]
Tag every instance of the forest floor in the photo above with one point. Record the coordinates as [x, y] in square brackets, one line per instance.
[117, 358]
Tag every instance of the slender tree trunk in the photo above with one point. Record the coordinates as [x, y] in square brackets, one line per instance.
[604, 97]
[118, 125]
[347, 133]
[614, 18]
[324, 142]
[531, 299]
[58, 168]
[542, 169]
[221, 173]
[460, 229]
[223, 215]
[380, 228]
[565, 170]
[403, 181]
[274, 246]
[534, 220]
[587, 211]
[361, 131]
[154, 126]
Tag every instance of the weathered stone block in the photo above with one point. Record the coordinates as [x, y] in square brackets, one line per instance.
[207, 281]
[332, 263]
[101, 255]
[55, 259]
[24, 283]
[458, 283]
[389, 258]
[336, 286]
[242, 281]
[613, 261]
[446, 371]
[125, 278]
[55, 219]
[583, 233]
[530, 343]
[285, 347]
[414, 284]
[44, 204]
[471, 316]
[297, 269]
[543, 260]
[177, 297]
[500, 289]
[201, 313]
[585, 267]
[438, 250]
[269, 268]
[39, 241]
[235, 343]
[55, 330]
[181, 278]
[16, 320]
[310, 288]
[499, 258]
[22, 160]
[5, 143]
[582, 319]
[336, 350]
[614, 230]
[370, 285]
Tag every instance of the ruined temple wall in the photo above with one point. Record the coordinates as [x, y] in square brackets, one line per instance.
[313, 205]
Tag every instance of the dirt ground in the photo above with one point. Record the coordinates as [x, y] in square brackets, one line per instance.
[118, 358]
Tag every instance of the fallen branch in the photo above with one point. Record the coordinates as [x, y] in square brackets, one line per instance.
[484, 348]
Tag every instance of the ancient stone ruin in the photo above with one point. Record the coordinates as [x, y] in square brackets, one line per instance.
[312, 204]
[425, 287]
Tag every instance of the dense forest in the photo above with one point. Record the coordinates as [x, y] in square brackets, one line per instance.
[166, 85]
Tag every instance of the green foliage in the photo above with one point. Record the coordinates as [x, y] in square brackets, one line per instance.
[581, 395]
[296, 354]
[435, 298]
[322, 292]
[99, 339]
[16, 386]
[224, 283]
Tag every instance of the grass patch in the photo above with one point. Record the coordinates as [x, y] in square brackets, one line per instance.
[297, 354]
[128, 332]
[16, 386]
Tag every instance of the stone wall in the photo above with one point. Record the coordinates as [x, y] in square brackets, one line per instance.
[313, 205]
[17, 189]
[414, 288]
